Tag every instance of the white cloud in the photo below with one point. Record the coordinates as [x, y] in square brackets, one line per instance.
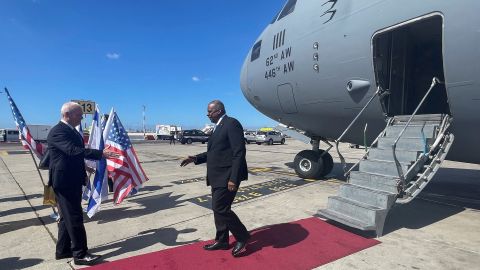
[113, 56]
[195, 79]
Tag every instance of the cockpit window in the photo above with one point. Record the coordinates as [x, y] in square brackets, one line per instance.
[289, 8]
[256, 51]
[274, 18]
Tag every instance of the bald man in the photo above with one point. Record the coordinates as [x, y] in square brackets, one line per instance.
[226, 169]
[67, 176]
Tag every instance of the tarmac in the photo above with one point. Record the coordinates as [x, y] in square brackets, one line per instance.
[437, 230]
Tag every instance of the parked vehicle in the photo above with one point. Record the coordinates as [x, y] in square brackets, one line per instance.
[39, 132]
[9, 135]
[269, 137]
[164, 132]
[208, 129]
[192, 135]
[249, 136]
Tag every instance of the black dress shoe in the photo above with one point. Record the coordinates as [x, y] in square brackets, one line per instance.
[88, 259]
[216, 246]
[63, 255]
[239, 248]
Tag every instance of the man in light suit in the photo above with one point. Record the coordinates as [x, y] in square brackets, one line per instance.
[67, 176]
[226, 168]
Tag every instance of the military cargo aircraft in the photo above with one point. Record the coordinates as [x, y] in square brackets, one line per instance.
[400, 77]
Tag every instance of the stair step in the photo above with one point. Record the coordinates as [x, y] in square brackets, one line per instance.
[405, 143]
[387, 154]
[357, 210]
[347, 220]
[384, 167]
[368, 196]
[411, 131]
[385, 183]
[420, 118]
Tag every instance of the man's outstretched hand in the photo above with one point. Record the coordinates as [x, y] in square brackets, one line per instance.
[187, 161]
[107, 153]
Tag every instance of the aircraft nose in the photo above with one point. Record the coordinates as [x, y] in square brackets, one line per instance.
[244, 80]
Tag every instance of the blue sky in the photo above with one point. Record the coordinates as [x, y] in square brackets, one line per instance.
[171, 56]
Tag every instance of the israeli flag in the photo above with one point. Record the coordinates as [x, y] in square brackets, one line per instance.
[87, 188]
[99, 192]
[93, 143]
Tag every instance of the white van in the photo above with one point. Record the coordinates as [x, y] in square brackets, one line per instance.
[9, 135]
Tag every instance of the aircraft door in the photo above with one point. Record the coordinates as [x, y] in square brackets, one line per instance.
[406, 58]
[287, 98]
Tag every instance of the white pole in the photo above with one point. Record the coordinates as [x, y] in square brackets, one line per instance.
[144, 131]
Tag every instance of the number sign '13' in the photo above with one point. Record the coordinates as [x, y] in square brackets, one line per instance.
[88, 107]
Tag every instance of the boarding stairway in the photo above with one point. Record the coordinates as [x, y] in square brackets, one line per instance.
[400, 163]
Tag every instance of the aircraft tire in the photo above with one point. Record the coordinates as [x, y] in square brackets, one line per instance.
[308, 164]
[327, 163]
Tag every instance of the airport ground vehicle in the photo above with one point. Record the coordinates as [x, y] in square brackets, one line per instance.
[9, 135]
[250, 136]
[269, 137]
[38, 132]
[192, 135]
[163, 132]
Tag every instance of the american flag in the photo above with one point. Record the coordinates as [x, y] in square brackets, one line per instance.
[126, 171]
[26, 137]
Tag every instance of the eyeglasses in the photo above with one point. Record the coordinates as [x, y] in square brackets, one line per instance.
[212, 112]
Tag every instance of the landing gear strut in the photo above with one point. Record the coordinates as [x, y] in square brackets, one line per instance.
[315, 163]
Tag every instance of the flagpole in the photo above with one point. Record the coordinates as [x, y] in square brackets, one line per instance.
[29, 146]
[39, 173]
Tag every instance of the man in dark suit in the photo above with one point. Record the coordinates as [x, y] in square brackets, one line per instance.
[226, 168]
[67, 176]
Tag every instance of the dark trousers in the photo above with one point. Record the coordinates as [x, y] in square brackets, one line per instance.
[71, 232]
[225, 219]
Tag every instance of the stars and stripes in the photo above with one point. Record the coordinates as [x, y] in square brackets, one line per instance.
[26, 137]
[126, 171]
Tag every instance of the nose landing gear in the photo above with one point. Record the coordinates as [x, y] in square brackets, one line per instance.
[314, 163]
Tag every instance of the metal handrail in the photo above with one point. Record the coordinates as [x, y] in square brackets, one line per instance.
[337, 141]
[402, 183]
[368, 151]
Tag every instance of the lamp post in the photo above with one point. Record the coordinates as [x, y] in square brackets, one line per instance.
[144, 131]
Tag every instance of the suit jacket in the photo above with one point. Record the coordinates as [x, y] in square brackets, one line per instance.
[67, 153]
[225, 156]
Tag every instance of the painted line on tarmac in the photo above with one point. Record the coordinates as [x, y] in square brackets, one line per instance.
[191, 180]
[256, 190]
[13, 152]
[252, 170]
[159, 160]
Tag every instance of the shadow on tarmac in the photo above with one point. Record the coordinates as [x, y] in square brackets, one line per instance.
[15, 263]
[336, 173]
[10, 226]
[276, 236]
[166, 236]
[451, 191]
[151, 204]
[21, 210]
[20, 198]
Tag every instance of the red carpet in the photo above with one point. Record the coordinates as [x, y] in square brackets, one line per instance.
[303, 244]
